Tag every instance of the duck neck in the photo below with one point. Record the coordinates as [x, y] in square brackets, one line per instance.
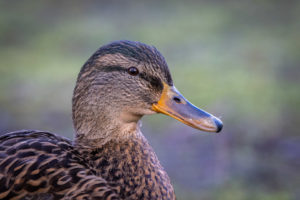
[95, 130]
[131, 165]
[119, 152]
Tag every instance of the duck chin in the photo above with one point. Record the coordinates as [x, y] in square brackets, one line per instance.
[134, 115]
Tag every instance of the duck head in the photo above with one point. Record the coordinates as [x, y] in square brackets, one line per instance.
[123, 81]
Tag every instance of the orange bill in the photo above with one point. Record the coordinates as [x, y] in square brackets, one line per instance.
[172, 103]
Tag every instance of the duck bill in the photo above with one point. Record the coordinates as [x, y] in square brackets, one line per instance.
[172, 103]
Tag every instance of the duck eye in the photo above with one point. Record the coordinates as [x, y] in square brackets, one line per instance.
[133, 71]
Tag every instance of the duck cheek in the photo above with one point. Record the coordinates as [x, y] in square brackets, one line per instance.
[144, 108]
[149, 112]
[129, 115]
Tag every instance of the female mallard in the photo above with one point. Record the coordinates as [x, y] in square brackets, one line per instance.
[109, 158]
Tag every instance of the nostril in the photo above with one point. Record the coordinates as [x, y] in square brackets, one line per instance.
[177, 100]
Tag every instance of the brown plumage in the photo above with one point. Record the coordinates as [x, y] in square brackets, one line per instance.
[109, 158]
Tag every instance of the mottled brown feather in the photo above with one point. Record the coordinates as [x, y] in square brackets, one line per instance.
[42, 165]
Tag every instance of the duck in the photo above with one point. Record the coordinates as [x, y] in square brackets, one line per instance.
[109, 157]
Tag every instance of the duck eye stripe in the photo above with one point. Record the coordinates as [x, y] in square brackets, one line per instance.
[154, 81]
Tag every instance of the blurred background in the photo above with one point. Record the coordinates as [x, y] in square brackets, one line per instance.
[239, 60]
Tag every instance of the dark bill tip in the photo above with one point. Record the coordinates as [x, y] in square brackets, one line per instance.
[219, 124]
